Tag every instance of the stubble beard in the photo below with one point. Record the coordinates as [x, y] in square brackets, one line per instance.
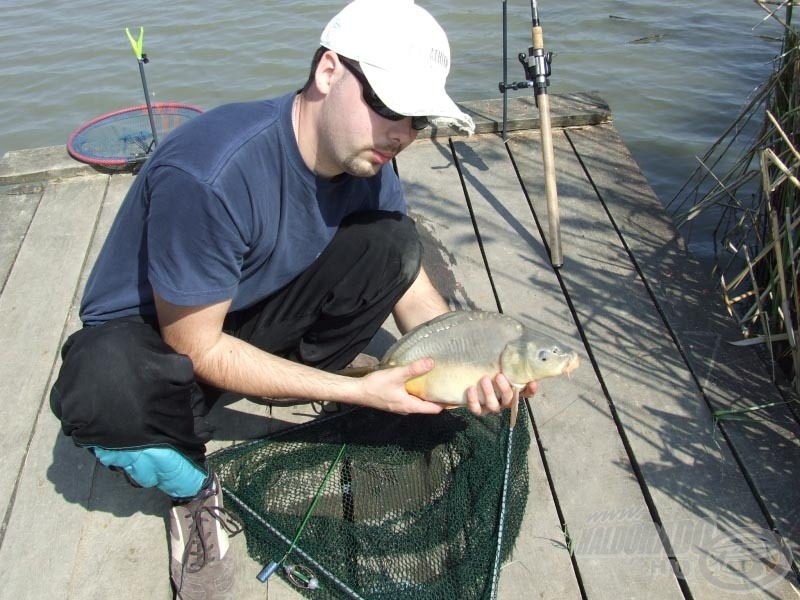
[358, 166]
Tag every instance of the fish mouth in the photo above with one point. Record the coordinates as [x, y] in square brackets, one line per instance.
[572, 364]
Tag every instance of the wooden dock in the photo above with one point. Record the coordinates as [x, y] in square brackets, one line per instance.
[636, 490]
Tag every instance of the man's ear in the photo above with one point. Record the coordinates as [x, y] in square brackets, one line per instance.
[323, 77]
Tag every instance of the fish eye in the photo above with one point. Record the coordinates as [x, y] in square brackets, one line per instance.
[544, 355]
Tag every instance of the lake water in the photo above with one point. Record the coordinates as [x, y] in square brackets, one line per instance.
[676, 74]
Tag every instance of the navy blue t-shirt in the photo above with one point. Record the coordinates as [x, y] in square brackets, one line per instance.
[225, 208]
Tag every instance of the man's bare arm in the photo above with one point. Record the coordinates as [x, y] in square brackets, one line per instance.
[229, 363]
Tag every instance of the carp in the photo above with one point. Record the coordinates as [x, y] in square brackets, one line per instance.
[466, 345]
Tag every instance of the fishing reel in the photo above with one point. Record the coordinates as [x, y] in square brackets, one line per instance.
[537, 68]
[299, 576]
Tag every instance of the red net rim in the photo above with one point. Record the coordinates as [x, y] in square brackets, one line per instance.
[167, 115]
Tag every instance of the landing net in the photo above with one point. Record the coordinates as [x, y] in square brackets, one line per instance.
[411, 510]
[125, 137]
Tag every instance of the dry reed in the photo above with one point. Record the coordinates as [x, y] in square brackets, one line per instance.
[757, 239]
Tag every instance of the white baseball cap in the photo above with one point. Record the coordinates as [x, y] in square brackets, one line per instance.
[403, 52]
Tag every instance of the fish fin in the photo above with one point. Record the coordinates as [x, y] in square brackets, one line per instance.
[417, 387]
[514, 362]
[358, 371]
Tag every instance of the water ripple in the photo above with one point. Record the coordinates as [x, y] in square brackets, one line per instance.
[65, 63]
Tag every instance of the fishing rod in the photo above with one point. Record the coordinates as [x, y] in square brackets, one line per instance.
[536, 64]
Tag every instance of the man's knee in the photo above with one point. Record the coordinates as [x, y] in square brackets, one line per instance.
[389, 236]
[121, 386]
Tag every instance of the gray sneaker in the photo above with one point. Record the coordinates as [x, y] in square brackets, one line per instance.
[199, 530]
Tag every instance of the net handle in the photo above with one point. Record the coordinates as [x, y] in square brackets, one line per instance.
[295, 574]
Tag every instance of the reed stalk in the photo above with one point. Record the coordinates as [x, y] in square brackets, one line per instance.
[757, 198]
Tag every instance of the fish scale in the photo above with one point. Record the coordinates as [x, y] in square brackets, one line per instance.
[455, 341]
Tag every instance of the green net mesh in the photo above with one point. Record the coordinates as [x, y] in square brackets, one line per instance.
[411, 509]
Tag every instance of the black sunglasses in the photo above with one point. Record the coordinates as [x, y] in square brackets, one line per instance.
[375, 103]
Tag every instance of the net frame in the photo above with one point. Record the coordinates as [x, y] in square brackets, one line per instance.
[124, 138]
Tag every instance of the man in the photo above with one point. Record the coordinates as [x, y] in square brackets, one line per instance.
[258, 251]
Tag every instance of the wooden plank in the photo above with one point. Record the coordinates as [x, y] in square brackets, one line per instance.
[71, 470]
[40, 164]
[123, 525]
[17, 207]
[566, 110]
[768, 444]
[33, 308]
[540, 561]
[94, 545]
[584, 453]
[692, 482]
[123, 545]
[434, 194]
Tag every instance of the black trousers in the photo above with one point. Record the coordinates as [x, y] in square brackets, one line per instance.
[122, 387]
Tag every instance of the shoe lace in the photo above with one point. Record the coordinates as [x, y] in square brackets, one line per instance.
[200, 544]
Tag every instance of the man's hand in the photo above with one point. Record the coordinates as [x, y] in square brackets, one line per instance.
[492, 395]
[385, 389]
